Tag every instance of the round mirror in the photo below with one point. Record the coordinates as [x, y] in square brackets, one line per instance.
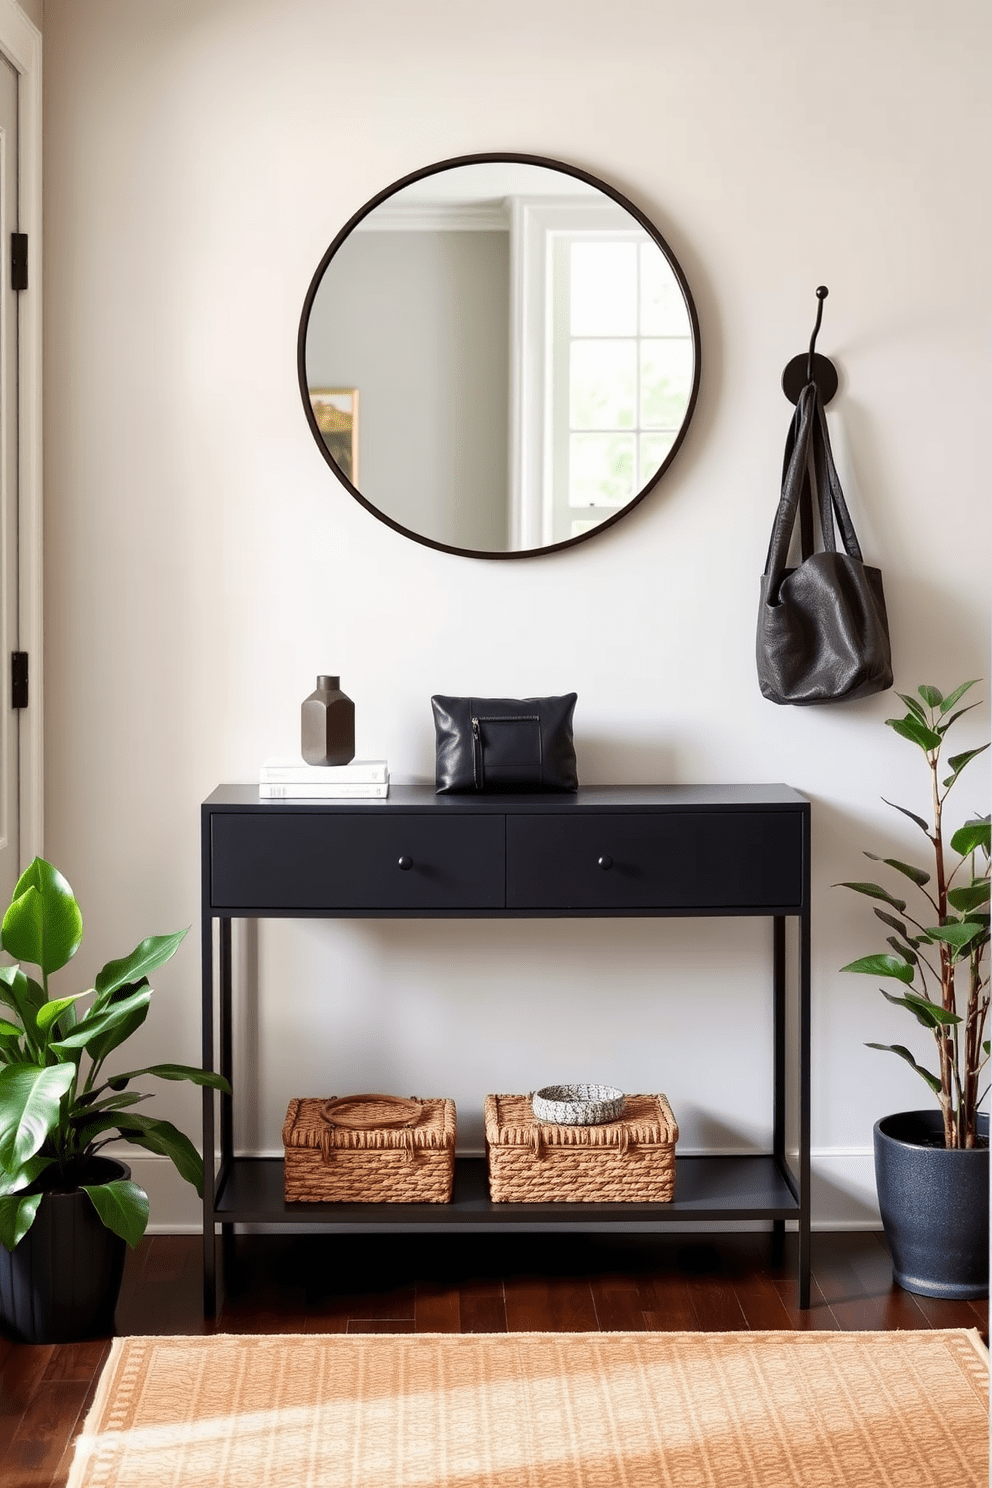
[499, 356]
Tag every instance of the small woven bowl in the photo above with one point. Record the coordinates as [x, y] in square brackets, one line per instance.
[577, 1105]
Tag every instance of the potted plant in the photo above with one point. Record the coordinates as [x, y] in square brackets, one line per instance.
[932, 1166]
[67, 1212]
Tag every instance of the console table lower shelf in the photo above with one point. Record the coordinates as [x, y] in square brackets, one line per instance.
[707, 1189]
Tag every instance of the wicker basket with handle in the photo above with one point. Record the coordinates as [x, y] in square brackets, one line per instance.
[631, 1159]
[369, 1149]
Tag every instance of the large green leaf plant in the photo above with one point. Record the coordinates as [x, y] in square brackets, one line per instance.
[940, 949]
[57, 1108]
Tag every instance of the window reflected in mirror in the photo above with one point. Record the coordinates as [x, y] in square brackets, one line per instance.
[620, 329]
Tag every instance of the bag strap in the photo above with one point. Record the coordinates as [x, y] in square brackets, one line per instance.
[795, 476]
[805, 503]
[808, 464]
[829, 488]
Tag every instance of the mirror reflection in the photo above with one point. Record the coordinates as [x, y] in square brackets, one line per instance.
[498, 356]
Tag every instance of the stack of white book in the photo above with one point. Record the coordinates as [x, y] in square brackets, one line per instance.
[293, 779]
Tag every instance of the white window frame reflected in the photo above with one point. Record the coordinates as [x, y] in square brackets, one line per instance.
[540, 341]
[561, 515]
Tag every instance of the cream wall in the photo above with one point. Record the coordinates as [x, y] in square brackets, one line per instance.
[202, 565]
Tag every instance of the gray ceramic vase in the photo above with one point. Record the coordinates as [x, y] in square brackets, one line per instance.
[935, 1206]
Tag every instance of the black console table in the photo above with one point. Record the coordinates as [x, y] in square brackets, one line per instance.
[605, 851]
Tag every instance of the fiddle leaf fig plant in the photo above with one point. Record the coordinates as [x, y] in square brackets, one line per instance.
[58, 1108]
[939, 949]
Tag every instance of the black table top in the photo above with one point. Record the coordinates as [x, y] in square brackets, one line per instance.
[587, 798]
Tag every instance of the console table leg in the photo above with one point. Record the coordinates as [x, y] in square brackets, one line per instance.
[779, 1046]
[804, 1103]
[209, 1272]
[208, 1110]
[804, 1262]
[209, 1163]
[225, 1039]
[227, 1250]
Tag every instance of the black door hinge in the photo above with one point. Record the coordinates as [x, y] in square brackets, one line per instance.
[18, 261]
[18, 679]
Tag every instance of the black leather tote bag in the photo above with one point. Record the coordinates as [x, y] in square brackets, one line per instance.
[504, 744]
[823, 635]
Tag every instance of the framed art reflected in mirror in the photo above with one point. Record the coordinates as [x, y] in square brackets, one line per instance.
[335, 412]
[526, 348]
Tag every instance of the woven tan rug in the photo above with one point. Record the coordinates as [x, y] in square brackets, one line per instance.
[541, 1410]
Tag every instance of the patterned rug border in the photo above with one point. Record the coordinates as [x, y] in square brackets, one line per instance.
[805, 1337]
[802, 1336]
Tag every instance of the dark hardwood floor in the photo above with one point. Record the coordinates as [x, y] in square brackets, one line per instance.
[406, 1284]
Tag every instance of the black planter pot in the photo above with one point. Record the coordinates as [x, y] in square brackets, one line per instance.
[935, 1206]
[63, 1280]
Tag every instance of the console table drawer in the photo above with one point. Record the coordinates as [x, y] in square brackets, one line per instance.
[670, 860]
[304, 860]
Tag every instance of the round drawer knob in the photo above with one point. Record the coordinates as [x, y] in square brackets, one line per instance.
[605, 861]
[405, 862]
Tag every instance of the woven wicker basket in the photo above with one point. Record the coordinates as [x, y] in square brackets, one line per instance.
[629, 1160]
[369, 1149]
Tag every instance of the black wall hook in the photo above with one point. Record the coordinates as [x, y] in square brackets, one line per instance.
[810, 366]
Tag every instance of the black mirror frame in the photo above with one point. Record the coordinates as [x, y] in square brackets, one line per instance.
[486, 159]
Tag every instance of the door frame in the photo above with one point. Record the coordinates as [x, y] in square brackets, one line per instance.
[20, 42]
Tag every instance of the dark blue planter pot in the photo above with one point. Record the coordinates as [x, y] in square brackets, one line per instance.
[63, 1280]
[934, 1205]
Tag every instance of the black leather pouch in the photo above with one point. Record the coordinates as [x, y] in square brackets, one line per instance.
[504, 744]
